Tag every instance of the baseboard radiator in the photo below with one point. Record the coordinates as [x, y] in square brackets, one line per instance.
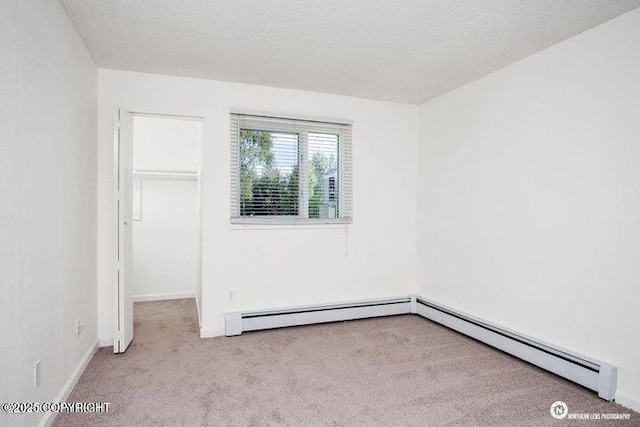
[242, 321]
[592, 374]
[598, 376]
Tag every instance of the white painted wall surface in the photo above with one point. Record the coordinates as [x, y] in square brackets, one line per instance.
[169, 144]
[166, 238]
[48, 91]
[529, 197]
[278, 266]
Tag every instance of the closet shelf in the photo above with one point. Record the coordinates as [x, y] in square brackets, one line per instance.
[162, 174]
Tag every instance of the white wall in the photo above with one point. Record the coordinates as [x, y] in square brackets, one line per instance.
[165, 251]
[48, 95]
[277, 266]
[166, 238]
[165, 143]
[529, 197]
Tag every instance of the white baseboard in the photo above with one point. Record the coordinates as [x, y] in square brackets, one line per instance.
[627, 402]
[163, 297]
[48, 417]
[211, 333]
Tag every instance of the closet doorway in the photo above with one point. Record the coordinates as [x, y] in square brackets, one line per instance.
[166, 243]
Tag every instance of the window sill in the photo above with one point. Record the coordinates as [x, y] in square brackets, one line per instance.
[240, 223]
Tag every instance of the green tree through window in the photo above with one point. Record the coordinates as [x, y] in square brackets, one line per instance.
[321, 164]
[269, 173]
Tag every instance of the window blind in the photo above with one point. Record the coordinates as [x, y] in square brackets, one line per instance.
[286, 170]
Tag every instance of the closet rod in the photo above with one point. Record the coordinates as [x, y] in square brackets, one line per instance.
[165, 174]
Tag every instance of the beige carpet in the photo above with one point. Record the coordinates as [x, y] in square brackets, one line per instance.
[394, 371]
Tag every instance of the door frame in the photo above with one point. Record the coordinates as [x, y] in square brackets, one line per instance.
[123, 134]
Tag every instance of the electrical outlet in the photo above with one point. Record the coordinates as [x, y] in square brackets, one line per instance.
[231, 296]
[36, 374]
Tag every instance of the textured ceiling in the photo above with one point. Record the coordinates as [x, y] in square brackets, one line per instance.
[398, 50]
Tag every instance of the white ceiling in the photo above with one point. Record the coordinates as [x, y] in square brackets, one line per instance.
[397, 50]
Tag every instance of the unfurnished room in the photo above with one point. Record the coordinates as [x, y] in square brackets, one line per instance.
[319, 213]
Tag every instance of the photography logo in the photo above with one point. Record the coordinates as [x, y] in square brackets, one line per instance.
[559, 410]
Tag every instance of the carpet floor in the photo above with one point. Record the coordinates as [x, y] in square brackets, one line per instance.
[393, 371]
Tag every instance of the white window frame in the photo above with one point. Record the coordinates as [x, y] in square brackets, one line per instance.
[302, 127]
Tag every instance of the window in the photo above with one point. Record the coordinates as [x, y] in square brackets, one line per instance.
[289, 171]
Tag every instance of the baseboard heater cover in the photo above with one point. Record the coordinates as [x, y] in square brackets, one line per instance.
[598, 376]
[242, 321]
